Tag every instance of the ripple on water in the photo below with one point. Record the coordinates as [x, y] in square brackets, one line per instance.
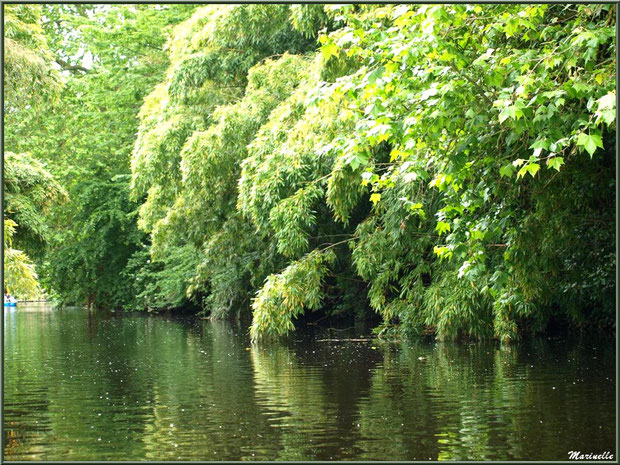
[83, 386]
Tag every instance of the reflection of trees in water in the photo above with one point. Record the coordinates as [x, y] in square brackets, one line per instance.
[476, 381]
[203, 387]
[26, 391]
[437, 402]
[397, 416]
[448, 397]
[127, 379]
[482, 401]
[181, 384]
[310, 392]
[293, 396]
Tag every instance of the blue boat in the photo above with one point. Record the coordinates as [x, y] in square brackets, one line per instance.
[9, 300]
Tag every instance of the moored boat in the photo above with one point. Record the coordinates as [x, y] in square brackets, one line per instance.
[9, 300]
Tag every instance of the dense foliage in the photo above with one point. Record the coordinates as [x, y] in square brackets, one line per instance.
[449, 168]
[223, 82]
[28, 71]
[455, 158]
[29, 189]
[108, 58]
[462, 138]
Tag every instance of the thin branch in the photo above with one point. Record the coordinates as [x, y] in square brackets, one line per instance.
[338, 243]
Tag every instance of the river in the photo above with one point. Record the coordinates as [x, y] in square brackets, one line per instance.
[82, 385]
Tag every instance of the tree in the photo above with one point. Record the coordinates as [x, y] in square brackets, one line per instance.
[29, 188]
[427, 156]
[110, 57]
[20, 277]
[444, 244]
[228, 71]
[480, 179]
[446, 167]
[29, 74]
[29, 192]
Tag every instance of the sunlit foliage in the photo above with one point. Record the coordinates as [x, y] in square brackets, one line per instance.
[438, 155]
[230, 67]
[480, 108]
[20, 277]
[29, 74]
[30, 190]
[109, 57]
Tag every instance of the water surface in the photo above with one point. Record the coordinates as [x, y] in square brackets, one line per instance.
[87, 386]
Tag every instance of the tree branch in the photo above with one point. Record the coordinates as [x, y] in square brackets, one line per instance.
[69, 67]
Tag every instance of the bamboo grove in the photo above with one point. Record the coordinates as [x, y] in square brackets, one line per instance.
[446, 168]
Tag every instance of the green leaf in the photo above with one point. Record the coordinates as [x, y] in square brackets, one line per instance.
[506, 171]
[589, 142]
[376, 74]
[443, 252]
[442, 227]
[555, 163]
[511, 111]
[374, 198]
[531, 168]
[505, 114]
[329, 49]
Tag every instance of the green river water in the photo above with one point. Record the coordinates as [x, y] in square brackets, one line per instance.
[80, 385]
